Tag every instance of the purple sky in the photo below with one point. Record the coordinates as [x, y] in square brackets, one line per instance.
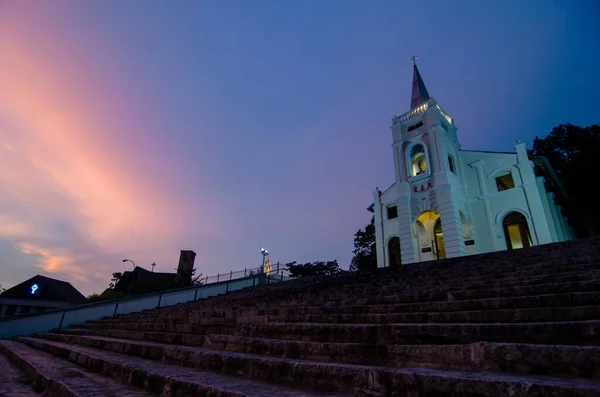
[136, 129]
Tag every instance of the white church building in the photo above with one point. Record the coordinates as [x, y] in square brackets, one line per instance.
[448, 202]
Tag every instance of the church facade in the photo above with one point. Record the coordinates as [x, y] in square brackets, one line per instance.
[448, 202]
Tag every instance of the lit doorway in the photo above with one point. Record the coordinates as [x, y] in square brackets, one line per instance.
[428, 227]
[440, 249]
[516, 231]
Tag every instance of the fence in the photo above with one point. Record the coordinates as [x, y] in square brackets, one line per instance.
[27, 324]
[277, 270]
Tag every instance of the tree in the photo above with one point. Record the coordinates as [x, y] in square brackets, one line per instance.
[365, 252]
[115, 279]
[313, 269]
[573, 153]
[185, 278]
[106, 295]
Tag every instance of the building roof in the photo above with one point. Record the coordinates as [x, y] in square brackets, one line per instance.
[129, 278]
[419, 91]
[47, 289]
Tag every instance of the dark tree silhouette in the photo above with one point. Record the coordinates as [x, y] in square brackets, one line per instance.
[115, 279]
[573, 153]
[365, 253]
[313, 269]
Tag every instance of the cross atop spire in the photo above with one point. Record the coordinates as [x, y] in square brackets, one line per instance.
[419, 92]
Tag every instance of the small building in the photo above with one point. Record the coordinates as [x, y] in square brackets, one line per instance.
[448, 202]
[37, 294]
[140, 280]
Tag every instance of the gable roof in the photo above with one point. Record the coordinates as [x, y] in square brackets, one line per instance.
[48, 289]
[130, 277]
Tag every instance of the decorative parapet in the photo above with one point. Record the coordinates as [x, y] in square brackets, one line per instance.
[448, 118]
[420, 110]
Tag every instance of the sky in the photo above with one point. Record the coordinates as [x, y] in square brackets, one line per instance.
[141, 128]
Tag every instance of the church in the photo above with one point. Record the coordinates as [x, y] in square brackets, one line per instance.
[448, 202]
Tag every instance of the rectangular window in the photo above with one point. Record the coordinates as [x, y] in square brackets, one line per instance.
[505, 182]
[451, 164]
[415, 126]
[392, 212]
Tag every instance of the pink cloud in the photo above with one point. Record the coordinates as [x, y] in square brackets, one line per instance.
[71, 200]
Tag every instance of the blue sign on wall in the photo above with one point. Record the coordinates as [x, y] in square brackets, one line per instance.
[34, 288]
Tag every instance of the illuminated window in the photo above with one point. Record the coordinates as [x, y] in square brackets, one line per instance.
[418, 160]
[451, 164]
[392, 212]
[516, 231]
[415, 126]
[505, 182]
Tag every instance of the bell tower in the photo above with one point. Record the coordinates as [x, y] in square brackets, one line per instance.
[430, 194]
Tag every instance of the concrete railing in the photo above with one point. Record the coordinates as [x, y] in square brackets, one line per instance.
[27, 324]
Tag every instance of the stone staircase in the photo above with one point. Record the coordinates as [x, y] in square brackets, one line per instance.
[519, 323]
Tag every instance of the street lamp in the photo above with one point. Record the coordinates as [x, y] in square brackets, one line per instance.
[264, 253]
[129, 260]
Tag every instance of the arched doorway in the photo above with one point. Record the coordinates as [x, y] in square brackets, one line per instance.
[430, 236]
[394, 251]
[516, 231]
[440, 248]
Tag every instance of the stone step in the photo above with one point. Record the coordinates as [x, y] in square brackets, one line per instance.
[481, 282]
[225, 298]
[552, 300]
[151, 336]
[566, 333]
[159, 327]
[353, 380]
[171, 320]
[555, 360]
[434, 294]
[196, 309]
[455, 275]
[14, 382]
[552, 288]
[477, 276]
[162, 378]
[58, 377]
[454, 296]
[539, 314]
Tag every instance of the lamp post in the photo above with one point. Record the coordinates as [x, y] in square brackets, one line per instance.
[129, 260]
[132, 276]
[264, 253]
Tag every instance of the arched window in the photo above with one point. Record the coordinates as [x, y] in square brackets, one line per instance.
[394, 251]
[516, 231]
[418, 160]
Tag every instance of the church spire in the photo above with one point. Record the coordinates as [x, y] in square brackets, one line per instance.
[419, 92]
